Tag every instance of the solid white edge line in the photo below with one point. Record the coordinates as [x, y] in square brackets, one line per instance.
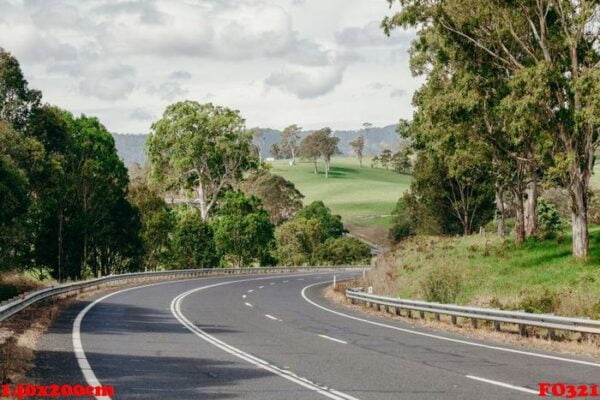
[271, 317]
[333, 339]
[504, 385]
[433, 336]
[249, 305]
[78, 349]
[287, 374]
[260, 287]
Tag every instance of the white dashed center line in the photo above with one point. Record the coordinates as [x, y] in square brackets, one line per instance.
[260, 287]
[272, 317]
[248, 304]
[251, 290]
[244, 296]
[333, 339]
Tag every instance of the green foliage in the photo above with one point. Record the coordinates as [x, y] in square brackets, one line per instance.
[278, 196]
[403, 223]
[298, 241]
[442, 285]
[550, 221]
[343, 251]
[199, 147]
[193, 243]
[243, 231]
[158, 223]
[331, 224]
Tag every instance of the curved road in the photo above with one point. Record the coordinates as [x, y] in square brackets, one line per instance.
[276, 337]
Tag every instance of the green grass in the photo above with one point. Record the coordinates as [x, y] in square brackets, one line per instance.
[539, 276]
[364, 196]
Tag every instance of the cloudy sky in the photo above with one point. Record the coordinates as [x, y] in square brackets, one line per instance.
[312, 62]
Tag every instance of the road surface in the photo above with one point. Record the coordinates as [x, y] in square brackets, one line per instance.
[276, 337]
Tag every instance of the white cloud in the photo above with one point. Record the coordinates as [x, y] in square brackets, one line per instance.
[108, 82]
[398, 93]
[167, 90]
[180, 75]
[140, 114]
[370, 35]
[306, 82]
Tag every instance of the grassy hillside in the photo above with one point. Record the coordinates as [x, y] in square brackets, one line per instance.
[539, 276]
[364, 197]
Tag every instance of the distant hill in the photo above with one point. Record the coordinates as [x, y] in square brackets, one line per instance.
[131, 146]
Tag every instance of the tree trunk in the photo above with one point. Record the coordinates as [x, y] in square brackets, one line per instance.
[579, 208]
[501, 213]
[293, 156]
[531, 217]
[327, 169]
[315, 166]
[202, 200]
[360, 160]
[520, 219]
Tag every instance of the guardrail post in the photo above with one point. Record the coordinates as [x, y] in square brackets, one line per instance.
[398, 311]
[497, 326]
[551, 334]
[422, 314]
[474, 323]
[584, 337]
[409, 313]
[522, 330]
[437, 316]
[454, 320]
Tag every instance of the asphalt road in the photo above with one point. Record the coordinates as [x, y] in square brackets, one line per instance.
[276, 337]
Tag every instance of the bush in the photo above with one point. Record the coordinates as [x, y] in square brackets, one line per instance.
[549, 219]
[442, 285]
[343, 251]
[298, 241]
[331, 223]
[547, 302]
[193, 243]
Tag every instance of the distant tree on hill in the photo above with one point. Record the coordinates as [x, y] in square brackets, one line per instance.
[401, 161]
[375, 162]
[328, 147]
[289, 141]
[310, 149]
[385, 158]
[358, 145]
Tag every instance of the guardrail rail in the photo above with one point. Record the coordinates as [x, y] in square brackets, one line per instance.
[552, 323]
[21, 302]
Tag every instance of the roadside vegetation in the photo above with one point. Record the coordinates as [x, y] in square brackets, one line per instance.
[538, 276]
[502, 209]
[72, 210]
[364, 197]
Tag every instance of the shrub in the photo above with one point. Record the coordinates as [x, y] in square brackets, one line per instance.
[550, 221]
[298, 241]
[547, 302]
[331, 223]
[343, 251]
[442, 285]
[193, 243]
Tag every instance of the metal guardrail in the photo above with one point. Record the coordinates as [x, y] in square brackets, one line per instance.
[21, 302]
[550, 322]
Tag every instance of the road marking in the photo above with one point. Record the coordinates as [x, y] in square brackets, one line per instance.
[251, 290]
[285, 281]
[430, 335]
[244, 296]
[78, 350]
[289, 375]
[260, 287]
[272, 283]
[300, 279]
[248, 304]
[272, 317]
[505, 385]
[333, 339]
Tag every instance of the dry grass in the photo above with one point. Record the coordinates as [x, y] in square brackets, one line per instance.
[14, 283]
[537, 339]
